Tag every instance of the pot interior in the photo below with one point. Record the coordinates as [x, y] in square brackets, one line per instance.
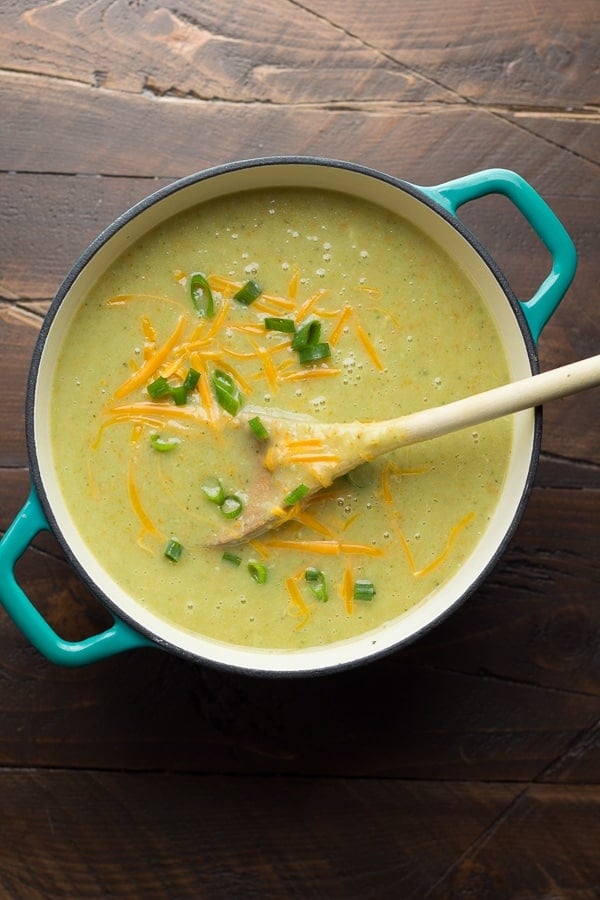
[401, 199]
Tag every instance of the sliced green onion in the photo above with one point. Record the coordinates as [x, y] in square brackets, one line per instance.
[232, 506]
[213, 491]
[258, 571]
[227, 392]
[248, 293]
[272, 323]
[173, 550]
[258, 429]
[308, 335]
[159, 388]
[163, 445]
[201, 294]
[317, 583]
[363, 590]
[179, 395]
[191, 379]
[228, 556]
[297, 494]
[314, 352]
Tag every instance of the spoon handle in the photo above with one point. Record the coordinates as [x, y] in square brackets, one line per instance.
[492, 404]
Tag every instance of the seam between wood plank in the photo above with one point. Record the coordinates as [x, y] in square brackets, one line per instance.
[491, 676]
[587, 112]
[582, 741]
[485, 835]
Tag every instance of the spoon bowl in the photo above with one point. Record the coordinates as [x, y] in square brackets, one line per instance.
[302, 456]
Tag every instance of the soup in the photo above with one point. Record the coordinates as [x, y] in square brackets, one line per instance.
[202, 319]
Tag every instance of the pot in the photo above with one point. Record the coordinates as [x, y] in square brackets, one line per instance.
[433, 210]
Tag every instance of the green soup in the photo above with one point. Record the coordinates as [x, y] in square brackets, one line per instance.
[403, 329]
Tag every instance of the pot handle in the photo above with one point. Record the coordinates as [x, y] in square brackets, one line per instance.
[542, 219]
[119, 637]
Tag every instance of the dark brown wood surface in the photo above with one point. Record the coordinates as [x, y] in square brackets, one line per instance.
[466, 765]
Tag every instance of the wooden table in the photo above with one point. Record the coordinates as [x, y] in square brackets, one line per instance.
[466, 765]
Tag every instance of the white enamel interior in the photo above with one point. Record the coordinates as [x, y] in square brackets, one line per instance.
[437, 604]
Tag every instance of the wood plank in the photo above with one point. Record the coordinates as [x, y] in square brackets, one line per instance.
[240, 52]
[576, 132]
[156, 713]
[18, 333]
[317, 52]
[100, 834]
[581, 762]
[526, 853]
[50, 221]
[542, 53]
[103, 834]
[424, 143]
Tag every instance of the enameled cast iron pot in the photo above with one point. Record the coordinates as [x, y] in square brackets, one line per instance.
[433, 209]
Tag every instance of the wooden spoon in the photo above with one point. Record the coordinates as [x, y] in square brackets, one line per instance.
[302, 455]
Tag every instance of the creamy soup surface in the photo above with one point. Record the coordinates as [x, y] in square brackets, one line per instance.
[403, 329]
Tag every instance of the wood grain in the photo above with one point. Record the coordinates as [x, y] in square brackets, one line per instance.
[382, 838]
[253, 53]
[464, 765]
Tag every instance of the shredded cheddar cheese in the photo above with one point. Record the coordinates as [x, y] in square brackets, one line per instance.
[308, 305]
[147, 523]
[309, 374]
[454, 532]
[340, 325]
[151, 365]
[347, 588]
[368, 346]
[297, 599]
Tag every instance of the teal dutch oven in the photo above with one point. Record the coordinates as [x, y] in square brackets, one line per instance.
[435, 211]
